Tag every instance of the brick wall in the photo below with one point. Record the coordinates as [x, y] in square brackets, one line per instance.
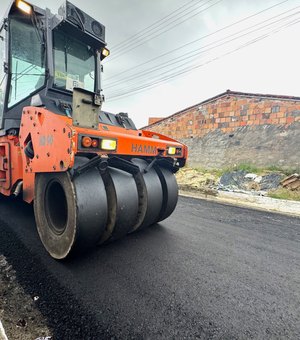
[229, 115]
[154, 120]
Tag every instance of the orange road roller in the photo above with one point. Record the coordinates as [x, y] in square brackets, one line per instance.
[91, 175]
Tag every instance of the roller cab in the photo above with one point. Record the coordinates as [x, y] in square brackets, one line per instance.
[91, 175]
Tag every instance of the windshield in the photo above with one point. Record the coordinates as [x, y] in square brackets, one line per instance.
[74, 63]
[2, 73]
[27, 60]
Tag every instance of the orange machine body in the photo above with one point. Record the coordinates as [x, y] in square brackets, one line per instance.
[55, 143]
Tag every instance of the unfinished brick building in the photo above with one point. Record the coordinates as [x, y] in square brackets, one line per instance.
[236, 127]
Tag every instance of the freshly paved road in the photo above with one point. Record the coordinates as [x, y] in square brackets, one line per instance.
[210, 271]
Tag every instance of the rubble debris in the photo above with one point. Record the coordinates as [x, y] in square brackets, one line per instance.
[258, 179]
[251, 176]
[192, 179]
[241, 180]
[271, 181]
[231, 181]
[291, 182]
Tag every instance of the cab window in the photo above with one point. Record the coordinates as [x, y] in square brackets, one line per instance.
[27, 60]
[2, 73]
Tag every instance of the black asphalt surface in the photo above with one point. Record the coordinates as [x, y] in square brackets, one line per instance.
[210, 271]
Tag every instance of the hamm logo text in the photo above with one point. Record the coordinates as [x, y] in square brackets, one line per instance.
[147, 149]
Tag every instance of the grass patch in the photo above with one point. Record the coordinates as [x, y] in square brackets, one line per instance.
[215, 172]
[286, 171]
[274, 168]
[249, 168]
[241, 167]
[285, 194]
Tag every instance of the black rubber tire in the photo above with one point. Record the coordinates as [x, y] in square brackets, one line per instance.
[70, 216]
[150, 195]
[170, 192]
[123, 204]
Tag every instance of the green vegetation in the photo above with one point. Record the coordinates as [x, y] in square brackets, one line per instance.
[219, 172]
[286, 171]
[285, 194]
[250, 168]
[274, 168]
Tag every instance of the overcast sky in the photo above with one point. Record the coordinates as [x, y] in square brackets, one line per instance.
[260, 54]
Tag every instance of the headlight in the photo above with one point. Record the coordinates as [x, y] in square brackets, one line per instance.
[174, 151]
[171, 150]
[108, 144]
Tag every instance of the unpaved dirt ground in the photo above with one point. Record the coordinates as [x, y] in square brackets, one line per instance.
[210, 183]
[192, 180]
[19, 316]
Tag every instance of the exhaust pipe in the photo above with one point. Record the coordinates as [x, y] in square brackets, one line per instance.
[18, 189]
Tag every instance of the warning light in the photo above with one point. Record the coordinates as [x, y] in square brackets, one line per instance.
[23, 6]
[104, 53]
[95, 143]
[86, 142]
